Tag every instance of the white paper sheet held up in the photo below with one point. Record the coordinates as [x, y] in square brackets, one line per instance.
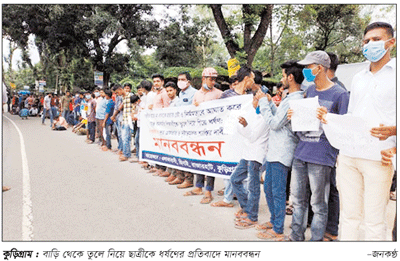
[304, 116]
[346, 132]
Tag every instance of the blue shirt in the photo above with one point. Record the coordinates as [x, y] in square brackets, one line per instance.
[282, 141]
[101, 109]
[77, 102]
[313, 146]
[109, 110]
[186, 96]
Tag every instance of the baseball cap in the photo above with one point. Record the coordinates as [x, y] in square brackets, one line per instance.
[209, 72]
[317, 57]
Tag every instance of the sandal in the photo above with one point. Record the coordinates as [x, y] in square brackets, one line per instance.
[329, 237]
[221, 192]
[221, 204]
[245, 224]
[193, 193]
[289, 210]
[206, 199]
[265, 226]
[270, 235]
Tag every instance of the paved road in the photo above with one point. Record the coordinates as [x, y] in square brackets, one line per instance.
[79, 192]
[76, 192]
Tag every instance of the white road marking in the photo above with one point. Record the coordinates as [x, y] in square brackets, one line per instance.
[27, 216]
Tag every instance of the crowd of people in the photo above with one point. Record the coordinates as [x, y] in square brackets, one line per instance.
[301, 168]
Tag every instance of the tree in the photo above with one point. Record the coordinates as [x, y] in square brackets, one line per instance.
[251, 16]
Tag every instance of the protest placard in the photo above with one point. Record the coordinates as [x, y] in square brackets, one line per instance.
[304, 116]
[200, 139]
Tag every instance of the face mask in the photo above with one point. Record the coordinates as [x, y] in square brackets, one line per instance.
[205, 86]
[310, 77]
[374, 51]
[88, 96]
[258, 110]
[76, 96]
[182, 84]
[97, 94]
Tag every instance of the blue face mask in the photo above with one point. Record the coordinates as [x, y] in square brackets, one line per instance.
[205, 86]
[374, 51]
[310, 77]
[258, 110]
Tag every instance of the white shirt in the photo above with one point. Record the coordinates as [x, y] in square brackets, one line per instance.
[142, 106]
[150, 97]
[47, 102]
[373, 98]
[255, 135]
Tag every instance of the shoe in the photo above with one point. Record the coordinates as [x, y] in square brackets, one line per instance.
[170, 178]
[185, 184]
[176, 181]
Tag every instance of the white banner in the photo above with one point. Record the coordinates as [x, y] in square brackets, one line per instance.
[201, 140]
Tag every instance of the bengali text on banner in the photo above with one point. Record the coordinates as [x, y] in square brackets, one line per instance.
[201, 140]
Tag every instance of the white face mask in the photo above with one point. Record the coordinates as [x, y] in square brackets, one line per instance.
[182, 84]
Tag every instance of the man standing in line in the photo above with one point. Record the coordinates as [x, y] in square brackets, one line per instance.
[101, 106]
[161, 100]
[183, 179]
[126, 131]
[207, 92]
[65, 100]
[47, 108]
[117, 116]
[282, 143]
[363, 181]
[143, 89]
[91, 117]
[314, 157]
[237, 88]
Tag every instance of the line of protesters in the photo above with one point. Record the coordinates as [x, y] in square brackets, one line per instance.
[303, 165]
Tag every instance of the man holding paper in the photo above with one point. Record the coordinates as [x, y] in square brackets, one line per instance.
[363, 180]
[314, 156]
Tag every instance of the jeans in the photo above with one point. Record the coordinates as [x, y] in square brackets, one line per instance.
[228, 192]
[126, 135]
[44, 115]
[119, 134]
[249, 203]
[92, 130]
[275, 193]
[54, 110]
[137, 142]
[108, 135]
[308, 177]
[200, 182]
[65, 114]
[332, 227]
